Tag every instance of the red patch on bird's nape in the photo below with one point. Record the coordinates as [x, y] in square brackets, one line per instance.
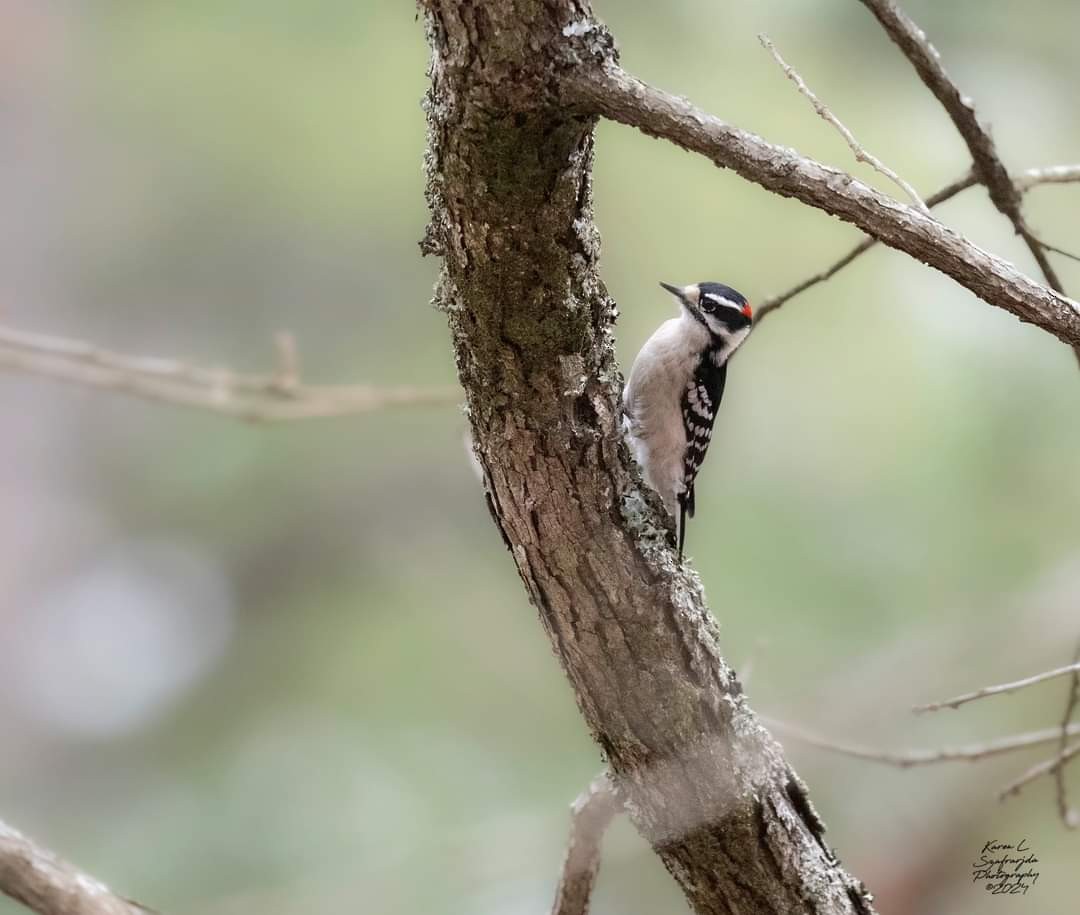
[747, 311]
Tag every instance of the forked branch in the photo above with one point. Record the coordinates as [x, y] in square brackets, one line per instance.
[989, 167]
[614, 93]
[1059, 174]
[1055, 764]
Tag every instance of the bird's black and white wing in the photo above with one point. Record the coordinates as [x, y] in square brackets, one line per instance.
[700, 403]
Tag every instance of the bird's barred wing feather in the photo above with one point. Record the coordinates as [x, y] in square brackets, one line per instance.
[700, 402]
[698, 416]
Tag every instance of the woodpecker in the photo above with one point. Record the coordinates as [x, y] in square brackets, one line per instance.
[675, 388]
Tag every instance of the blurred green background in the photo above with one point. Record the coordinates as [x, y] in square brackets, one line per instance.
[276, 670]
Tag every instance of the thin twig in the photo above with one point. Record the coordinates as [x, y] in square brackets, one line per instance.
[50, 886]
[905, 759]
[1070, 817]
[1049, 247]
[774, 302]
[260, 398]
[964, 698]
[861, 153]
[590, 816]
[1054, 764]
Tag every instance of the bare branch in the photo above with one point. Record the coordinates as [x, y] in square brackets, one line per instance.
[861, 153]
[610, 91]
[1070, 817]
[924, 57]
[1058, 174]
[1033, 177]
[590, 816]
[50, 886]
[258, 398]
[1055, 764]
[957, 701]
[906, 759]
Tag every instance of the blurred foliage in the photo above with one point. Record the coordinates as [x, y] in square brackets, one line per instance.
[891, 512]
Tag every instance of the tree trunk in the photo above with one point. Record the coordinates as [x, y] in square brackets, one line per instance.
[511, 214]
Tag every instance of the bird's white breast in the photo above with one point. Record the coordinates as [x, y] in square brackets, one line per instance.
[653, 402]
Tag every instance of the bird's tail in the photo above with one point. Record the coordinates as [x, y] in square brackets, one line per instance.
[686, 510]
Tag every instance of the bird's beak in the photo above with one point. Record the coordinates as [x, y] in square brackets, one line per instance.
[688, 295]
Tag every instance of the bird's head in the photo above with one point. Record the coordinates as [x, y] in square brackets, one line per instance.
[722, 310]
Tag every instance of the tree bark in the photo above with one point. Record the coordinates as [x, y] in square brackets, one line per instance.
[508, 169]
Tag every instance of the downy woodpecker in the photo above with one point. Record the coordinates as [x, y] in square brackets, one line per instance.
[675, 388]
